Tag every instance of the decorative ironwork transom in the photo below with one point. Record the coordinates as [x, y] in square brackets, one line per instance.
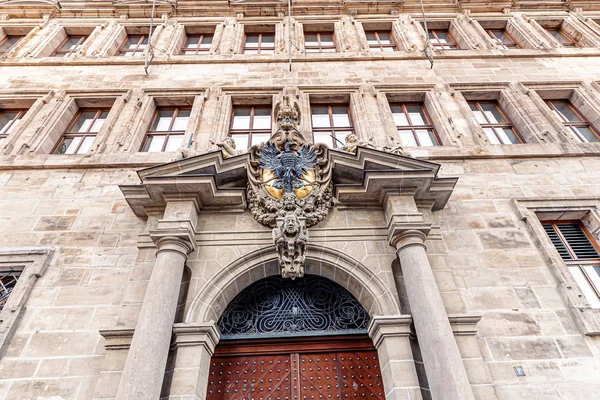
[8, 280]
[305, 306]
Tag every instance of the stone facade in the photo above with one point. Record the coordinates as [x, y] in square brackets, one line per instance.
[88, 248]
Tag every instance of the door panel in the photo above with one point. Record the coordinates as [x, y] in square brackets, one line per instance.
[295, 369]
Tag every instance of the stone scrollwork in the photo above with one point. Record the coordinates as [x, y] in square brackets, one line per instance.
[289, 187]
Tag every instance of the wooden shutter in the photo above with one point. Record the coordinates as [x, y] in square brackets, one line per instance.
[571, 240]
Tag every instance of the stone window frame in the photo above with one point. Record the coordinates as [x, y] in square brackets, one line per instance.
[455, 27]
[148, 101]
[183, 29]
[115, 39]
[512, 27]
[391, 26]
[324, 24]
[32, 263]
[69, 103]
[434, 103]
[259, 27]
[570, 25]
[334, 95]
[34, 101]
[321, 27]
[230, 97]
[28, 31]
[580, 94]
[511, 100]
[587, 209]
[60, 32]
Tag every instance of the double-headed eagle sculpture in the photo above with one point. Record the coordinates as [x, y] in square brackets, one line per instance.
[288, 165]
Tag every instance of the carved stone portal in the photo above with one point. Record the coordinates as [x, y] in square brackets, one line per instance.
[289, 187]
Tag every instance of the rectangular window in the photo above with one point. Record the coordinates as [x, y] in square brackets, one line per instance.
[319, 42]
[250, 126]
[442, 39]
[8, 281]
[82, 131]
[414, 125]
[494, 122]
[580, 252]
[563, 37]
[503, 39]
[9, 120]
[381, 41]
[8, 42]
[259, 43]
[574, 120]
[197, 44]
[167, 129]
[69, 46]
[331, 124]
[134, 45]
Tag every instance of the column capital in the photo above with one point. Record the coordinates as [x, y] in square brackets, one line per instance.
[383, 326]
[180, 239]
[404, 235]
[197, 334]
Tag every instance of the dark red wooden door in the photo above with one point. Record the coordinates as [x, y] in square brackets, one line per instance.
[295, 369]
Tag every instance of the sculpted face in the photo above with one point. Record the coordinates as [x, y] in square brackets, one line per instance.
[289, 225]
[229, 141]
[351, 139]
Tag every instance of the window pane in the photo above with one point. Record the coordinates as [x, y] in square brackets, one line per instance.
[311, 40]
[442, 37]
[507, 135]
[174, 142]
[426, 137]
[250, 51]
[385, 38]
[163, 120]
[586, 134]
[181, 120]
[417, 117]
[268, 41]
[565, 111]
[241, 119]
[262, 118]
[132, 42]
[562, 39]
[493, 113]
[491, 135]
[271, 51]
[86, 145]
[5, 120]
[324, 137]
[84, 122]
[326, 40]
[259, 138]
[99, 122]
[206, 42]
[371, 38]
[399, 116]
[407, 138]
[9, 42]
[340, 116]
[388, 49]
[71, 144]
[585, 287]
[341, 138]
[241, 141]
[251, 40]
[320, 117]
[478, 114]
[155, 144]
[192, 42]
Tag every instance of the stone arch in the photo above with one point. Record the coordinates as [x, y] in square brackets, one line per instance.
[359, 280]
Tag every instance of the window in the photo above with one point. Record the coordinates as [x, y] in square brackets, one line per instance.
[82, 131]
[574, 120]
[250, 126]
[69, 46]
[381, 41]
[8, 281]
[9, 119]
[259, 43]
[494, 122]
[134, 45]
[563, 37]
[8, 42]
[441, 39]
[579, 251]
[319, 42]
[331, 124]
[414, 125]
[503, 39]
[167, 129]
[197, 44]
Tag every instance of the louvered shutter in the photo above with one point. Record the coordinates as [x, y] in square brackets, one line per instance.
[571, 241]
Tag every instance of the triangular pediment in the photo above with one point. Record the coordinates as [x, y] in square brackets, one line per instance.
[360, 178]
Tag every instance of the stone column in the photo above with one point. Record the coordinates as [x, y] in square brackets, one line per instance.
[147, 358]
[390, 334]
[442, 360]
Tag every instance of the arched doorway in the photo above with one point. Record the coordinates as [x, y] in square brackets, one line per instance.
[297, 339]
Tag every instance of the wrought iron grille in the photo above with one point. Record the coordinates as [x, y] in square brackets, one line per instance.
[308, 305]
[8, 280]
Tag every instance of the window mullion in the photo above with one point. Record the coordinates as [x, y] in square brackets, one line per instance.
[565, 242]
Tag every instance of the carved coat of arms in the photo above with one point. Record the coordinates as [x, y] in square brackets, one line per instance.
[289, 187]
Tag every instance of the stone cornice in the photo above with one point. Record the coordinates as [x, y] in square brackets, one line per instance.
[196, 334]
[382, 326]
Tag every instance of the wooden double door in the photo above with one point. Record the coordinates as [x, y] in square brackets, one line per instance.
[335, 367]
